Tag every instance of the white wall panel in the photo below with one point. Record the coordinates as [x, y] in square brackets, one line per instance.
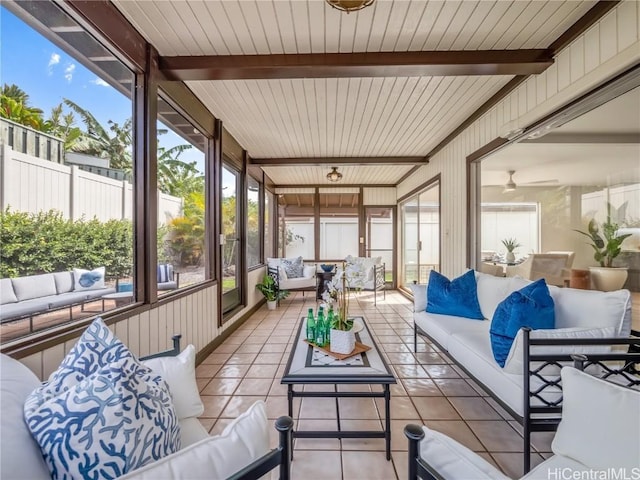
[577, 70]
[379, 196]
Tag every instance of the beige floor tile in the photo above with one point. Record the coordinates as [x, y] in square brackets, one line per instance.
[316, 465]
[317, 443]
[441, 371]
[430, 358]
[318, 408]
[401, 358]
[274, 339]
[435, 408]
[455, 387]
[238, 405]
[496, 436]
[216, 358]
[357, 408]
[474, 408]
[226, 348]
[207, 370]
[421, 387]
[202, 382]
[512, 463]
[207, 423]
[279, 406]
[411, 371]
[277, 388]
[220, 425]
[241, 359]
[262, 371]
[399, 440]
[459, 431]
[401, 409]
[274, 347]
[254, 386]
[377, 444]
[268, 359]
[221, 386]
[232, 371]
[400, 463]
[213, 405]
[367, 465]
[249, 348]
[259, 339]
[397, 348]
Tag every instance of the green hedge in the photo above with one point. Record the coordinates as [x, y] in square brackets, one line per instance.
[46, 242]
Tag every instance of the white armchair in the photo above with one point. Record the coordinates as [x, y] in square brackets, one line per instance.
[598, 432]
[373, 273]
[306, 280]
[550, 266]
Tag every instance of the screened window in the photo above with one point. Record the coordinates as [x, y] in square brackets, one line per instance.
[253, 222]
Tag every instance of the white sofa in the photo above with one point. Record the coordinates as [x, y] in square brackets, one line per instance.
[306, 282]
[597, 436]
[243, 444]
[580, 314]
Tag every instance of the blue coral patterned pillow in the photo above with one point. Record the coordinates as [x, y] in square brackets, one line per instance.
[294, 267]
[114, 421]
[103, 402]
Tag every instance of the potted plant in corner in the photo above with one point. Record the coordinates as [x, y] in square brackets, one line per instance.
[271, 292]
[511, 244]
[607, 245]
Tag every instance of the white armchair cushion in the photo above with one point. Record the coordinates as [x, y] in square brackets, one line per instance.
[309, 271]
[455, 461]
[244, 440]
[180, 374]
[419, 291]
[600, 421]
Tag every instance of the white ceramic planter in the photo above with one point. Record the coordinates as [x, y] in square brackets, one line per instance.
[511, 257]
[271, 304]
[607, 279]
[342, 341]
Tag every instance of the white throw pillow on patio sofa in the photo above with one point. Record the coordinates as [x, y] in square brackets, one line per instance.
[244, 440]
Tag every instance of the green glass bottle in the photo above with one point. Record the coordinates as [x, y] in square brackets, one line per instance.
[330, 320]
[321, 340]
[311, 326]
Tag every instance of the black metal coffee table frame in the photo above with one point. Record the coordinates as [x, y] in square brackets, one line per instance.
[365, 375]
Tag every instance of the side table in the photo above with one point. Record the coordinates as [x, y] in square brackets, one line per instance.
[322, 278]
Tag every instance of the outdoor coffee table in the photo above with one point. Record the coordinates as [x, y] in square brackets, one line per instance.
[309, 365]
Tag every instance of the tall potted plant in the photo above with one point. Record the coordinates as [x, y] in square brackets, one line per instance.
[607, 245]
[511, 244]
[271, 292]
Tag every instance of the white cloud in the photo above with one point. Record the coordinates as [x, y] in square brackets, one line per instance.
[53, 60]
[99, 81]
[68, 71]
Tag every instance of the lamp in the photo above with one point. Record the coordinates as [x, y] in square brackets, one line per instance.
[349, 5]
[510, 186]
[334, 175]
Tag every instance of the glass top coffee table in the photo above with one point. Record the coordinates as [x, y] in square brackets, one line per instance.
[310, 365]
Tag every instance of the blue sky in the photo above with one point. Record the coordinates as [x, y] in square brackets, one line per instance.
[48, 75]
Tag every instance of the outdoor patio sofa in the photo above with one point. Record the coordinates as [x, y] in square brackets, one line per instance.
[587, 322]
[24, 297]
[241, 452]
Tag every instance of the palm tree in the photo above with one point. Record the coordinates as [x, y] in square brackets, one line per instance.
[15, 92]
[14, 105]
[62, 126]
[176, 177]
[99, 142]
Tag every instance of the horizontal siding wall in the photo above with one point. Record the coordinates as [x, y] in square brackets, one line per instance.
[379, 196]
[609, 47]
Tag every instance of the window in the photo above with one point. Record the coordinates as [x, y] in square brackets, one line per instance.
[231, 271]
[421, 234]
[253, 223]
[380, 234]
[181, 202]
[269, 227]
[296, 215]
[338, 225]
[68, 219]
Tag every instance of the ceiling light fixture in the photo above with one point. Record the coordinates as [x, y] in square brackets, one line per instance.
[334, 175]
[349, 5]
[510, 186]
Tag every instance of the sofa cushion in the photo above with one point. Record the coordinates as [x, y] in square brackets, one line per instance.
[530, 307]
[441, 327]
[117, 419]
[88, 279]
[454, 461]
[419, 291]
[34, 286]
[457, 297]
[164, 273]
[493, 290]
[293, 267]
[64, 282]
[7, 295]
[558, 463]
[191, 431]
[180, 374]
[514, 362]
[244, 440]
[592, 407]
[20, 455]
[606, 309]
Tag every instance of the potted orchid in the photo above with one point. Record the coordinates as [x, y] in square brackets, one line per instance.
[351, 276]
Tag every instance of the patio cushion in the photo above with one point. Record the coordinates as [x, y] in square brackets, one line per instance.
[492, 290]
[293, 267]
[191, 431]
[7, 295]
[34, 286]
[88, 279]
[64, 281]
[419, 296]
[441, 327]
[591, 407]
[457, 297]
[165, 273]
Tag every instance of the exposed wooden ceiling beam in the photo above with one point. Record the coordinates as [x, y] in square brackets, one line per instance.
[337, 161]
[366, 64]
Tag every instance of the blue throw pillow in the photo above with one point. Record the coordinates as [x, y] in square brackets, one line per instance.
[530, 307]
[458, 297]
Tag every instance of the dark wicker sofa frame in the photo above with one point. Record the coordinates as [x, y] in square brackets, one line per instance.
[279, 457]
[546, 417]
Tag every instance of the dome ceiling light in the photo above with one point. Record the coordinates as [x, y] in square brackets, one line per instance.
[334, 175]
[349, 5]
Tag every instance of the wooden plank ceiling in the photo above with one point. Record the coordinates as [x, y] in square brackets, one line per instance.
[346, 116]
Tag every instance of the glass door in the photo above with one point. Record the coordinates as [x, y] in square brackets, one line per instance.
[231, 242]
[379, 238]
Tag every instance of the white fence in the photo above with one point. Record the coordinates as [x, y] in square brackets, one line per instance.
[30, 184]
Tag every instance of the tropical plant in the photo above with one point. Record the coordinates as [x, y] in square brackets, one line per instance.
[270, 290]
[176, 177]
[185, 238]
[605, 240]
[62, 125]
[18, 112]
[511, 244]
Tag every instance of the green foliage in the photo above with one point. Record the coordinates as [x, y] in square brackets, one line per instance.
[270, 291]
[605, 240]
[46, 242]
[184, 242]
[511, 244]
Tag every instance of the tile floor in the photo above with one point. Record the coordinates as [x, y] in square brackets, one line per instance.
[430, 390]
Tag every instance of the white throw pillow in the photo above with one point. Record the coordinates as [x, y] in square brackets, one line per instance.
[20, 456]
[88, 279]
[600, 422]
[513, 364]
[180, 374]
[419, 296]
[454, 461]
[243, 441]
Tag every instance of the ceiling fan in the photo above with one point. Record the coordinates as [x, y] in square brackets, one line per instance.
[510, 186]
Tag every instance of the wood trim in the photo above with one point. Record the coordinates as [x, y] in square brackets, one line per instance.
[408, 174]
[336, 161]
[362, 224]
[216, 162]
[316, 223]
[232, 150]
[419, 188]
[333, 185]
[490, 147]
[190, 106]
[361, 64]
